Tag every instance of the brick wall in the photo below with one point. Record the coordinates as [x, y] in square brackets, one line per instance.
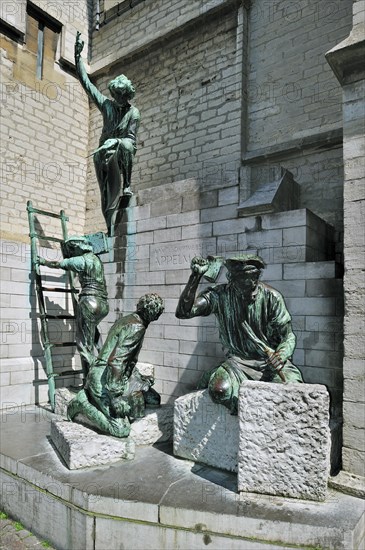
[44, 137]
[44, 130]
[23, 367]
[144, 24]
[292, 92]
[189, 98]
[198, 117]
[198, 126]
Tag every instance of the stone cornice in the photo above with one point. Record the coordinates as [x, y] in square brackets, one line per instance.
[347, 58]
[179, 25]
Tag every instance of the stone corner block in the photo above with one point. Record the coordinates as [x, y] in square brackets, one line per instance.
[348, 483]
[62, 398]
[155, 426]
[205, 432]
[81, 447]
[284, 440]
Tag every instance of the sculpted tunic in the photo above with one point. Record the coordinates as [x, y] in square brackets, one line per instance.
[266, 314]
[93, 303]
[117, 357]
[270, 321]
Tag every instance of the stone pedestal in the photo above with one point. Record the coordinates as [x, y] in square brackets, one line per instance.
[284, 443]
[205, 432]
[81, 448]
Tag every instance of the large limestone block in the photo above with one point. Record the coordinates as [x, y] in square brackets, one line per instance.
[284, 443]
[81, 448]
[205, 432]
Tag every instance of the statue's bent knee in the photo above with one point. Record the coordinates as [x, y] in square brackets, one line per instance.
[220, 386]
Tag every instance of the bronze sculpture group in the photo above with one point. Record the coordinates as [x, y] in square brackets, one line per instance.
[254, 327]
[254, 323]
[115, 393]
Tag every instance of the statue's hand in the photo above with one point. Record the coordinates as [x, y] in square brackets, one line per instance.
[79, 45]
[40, 261]
[275, 361]
[199, 265]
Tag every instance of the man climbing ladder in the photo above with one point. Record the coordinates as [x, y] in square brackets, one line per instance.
[93, 302]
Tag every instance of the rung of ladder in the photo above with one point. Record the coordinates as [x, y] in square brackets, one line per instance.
[60, 289]
[45, 213]
[71, 372]
[48, 316]
[63, 344]
[47, 238]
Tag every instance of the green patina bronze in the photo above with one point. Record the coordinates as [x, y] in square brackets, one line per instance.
[115, 392]
[93, 305]
[254, 327]
[118, 141]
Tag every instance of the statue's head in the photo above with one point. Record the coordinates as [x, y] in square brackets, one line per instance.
[150, 307]
[121, 89]
[74, 246]
[244, 272]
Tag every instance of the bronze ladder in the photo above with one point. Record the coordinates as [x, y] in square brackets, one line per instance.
[41, 289]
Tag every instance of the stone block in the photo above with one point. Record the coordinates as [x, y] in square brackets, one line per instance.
[81, 447]
[312, 270]
[178, 255]
[279, 195]
[205, 432]
[284, 444]
[155, 426]
[348, 483]
[353, 461]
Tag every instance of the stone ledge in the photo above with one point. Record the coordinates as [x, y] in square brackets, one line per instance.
[158, 501]
[348, 483]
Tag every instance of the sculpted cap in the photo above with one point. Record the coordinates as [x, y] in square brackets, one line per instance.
[245, 262]
[81, 241]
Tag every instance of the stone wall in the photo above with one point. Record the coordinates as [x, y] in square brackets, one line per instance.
[190, 109]
[350, 53]
[44, 129]
[202, 110]
[354, 242]
[23, 367]
[204, 90]
[292, 92]
[44, 138]
[221, 88]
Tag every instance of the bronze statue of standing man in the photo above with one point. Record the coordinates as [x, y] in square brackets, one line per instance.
[118, 142]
